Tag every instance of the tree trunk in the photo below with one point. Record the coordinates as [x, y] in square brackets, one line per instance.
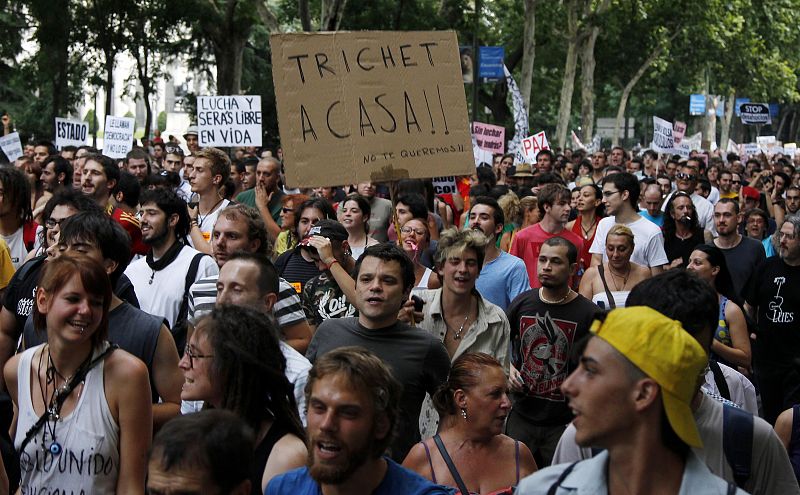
[109, 82]
[726, 121]
[626, 92]
[332, 11]
[228, 55]
[528, 52]
[570, 66]
[305, 14]
[587, 84]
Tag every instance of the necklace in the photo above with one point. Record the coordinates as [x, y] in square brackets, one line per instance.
[201, 218]
[624, 278]
[547, 301]
[457, 333]
[586, 231]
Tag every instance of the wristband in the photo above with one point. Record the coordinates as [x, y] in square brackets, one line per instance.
[332, 263]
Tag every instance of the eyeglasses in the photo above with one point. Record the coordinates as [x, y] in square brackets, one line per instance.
[193, 355]
[608, 194]
[683, 176]
[408, 230]
[52, 222]
[736, 182]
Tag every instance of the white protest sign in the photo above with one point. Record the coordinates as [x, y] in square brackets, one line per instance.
[755, 113]
[481, 156]
[751, 149]
[662, 135]
[766, 140]
[694, 141]
[229, 120]
[118, 136]
[732, 146]
[444, 185]
[532, 145]
[678, 130]
[682, 149]
[71, 132]
[11, 146]
[790, 149]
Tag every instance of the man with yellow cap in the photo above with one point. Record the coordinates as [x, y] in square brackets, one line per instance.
[631, 395]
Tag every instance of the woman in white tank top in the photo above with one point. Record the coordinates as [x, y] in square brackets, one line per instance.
[415, 239]
[94, 440]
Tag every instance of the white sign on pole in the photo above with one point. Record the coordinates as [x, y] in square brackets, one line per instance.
[444, 185]
[11, 146]
[662, 135]
[682, 149]
[71, 132]
[229, 120]
[532, 145]
[751, 149]
[118, 136]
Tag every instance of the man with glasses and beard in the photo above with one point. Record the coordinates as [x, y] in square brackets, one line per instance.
[353, 411]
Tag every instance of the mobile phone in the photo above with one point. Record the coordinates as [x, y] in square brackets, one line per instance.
[418, 303]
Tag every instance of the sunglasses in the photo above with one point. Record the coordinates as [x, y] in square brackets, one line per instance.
[736, 182]
[683, 176]
[287, 210]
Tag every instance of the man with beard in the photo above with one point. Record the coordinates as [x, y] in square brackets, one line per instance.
[545, 325]
[726, 185]
[56, 172]
[503, 276]
[686, 181]
[266, 195]
[100, 176]
[353, 412]
[792, 200]
[773, 300]
[380, 212]
[162, 279]
[743, 254]
[384, 277]
[554, 210]
[682, 232]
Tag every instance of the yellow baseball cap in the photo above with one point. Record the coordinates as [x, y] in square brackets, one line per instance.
[665, 352]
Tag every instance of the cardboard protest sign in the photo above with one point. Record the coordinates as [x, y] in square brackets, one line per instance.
[71, 132]
[229, 120]
[754, 113]
[678, 130]
[358, 106]
[490, 137]
[118, 136]
[444, 185]
[11, 146]
[532, 145]
[662, 136]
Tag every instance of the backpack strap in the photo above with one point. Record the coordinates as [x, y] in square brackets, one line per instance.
[554, 487]
[601, 271]
[452, 467]
[719, 379]
[179, 330]
[737, 441]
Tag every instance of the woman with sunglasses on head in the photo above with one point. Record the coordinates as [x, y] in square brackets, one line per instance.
[85, 418]
[470, 451]
[415, 239]
[233, 361]
[354, 216]
[287, 238]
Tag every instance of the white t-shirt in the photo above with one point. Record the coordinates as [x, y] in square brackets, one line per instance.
[207, 222]
[648, 241]
[162, 297]
[16, 247]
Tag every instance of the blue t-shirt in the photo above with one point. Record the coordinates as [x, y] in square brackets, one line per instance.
[398, 481]
[659, 220]
[503, 279]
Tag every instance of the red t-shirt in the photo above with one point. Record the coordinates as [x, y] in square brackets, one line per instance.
[528, 242]
[131, 224]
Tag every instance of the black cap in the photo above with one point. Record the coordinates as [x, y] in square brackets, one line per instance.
[331, 229]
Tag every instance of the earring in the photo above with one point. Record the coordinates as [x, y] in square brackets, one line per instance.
[464, 413]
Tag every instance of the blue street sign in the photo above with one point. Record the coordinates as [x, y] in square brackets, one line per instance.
[738, 103]
[774, 110]
[490, 65]
[697, 104]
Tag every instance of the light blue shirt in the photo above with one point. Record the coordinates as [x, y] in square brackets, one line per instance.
[503, 279]
[659, 220]
[589, 478]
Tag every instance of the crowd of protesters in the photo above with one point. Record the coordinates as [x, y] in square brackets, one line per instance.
[181, 321]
